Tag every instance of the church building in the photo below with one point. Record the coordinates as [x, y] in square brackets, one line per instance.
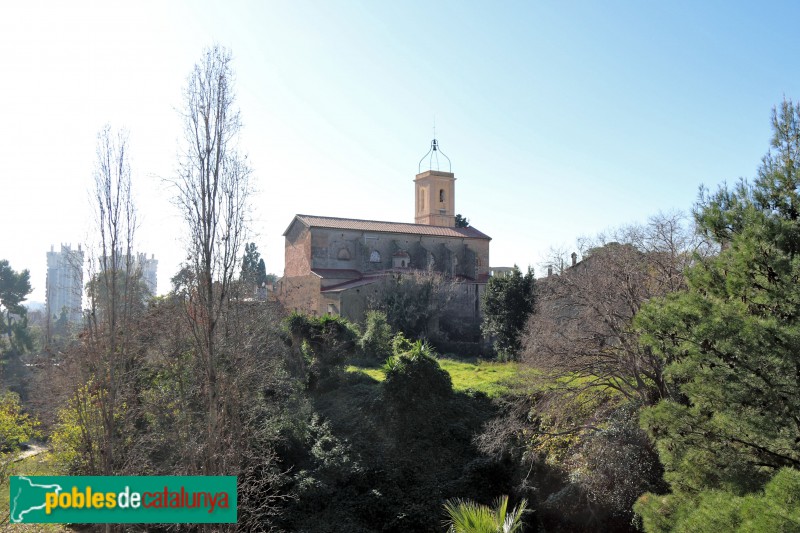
[332, 264]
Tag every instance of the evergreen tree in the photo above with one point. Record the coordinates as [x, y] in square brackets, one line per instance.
[14, 287]
[732, 340]
[507, 303]
[250, 264]
[254, 271]
[261, 272]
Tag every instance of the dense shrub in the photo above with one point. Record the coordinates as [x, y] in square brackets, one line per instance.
[76, 437]
[16, 427]
[413, 302]
[376, 342]
[328, 339]
[367, 464]
[461, 348]
[414, 378]
[618, 464]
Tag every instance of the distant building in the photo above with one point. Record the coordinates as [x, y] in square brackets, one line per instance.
[148, 268]
[64, 283]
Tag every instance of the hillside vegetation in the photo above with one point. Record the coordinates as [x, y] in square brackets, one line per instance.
[468, 374]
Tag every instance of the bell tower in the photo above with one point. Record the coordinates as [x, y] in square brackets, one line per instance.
[434, 197]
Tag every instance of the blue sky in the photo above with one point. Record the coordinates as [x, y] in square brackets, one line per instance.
[561, 118]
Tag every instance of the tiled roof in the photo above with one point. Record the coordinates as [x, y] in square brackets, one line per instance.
[377, 226]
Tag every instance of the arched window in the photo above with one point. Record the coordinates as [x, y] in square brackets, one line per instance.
[422, 200]
[441, 195]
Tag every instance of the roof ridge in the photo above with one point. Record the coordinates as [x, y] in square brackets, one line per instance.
[380, 221]
[386, 226]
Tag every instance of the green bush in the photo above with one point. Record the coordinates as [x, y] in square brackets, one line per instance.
[617, 464]
[76, 438]
[414, 377]
[376, 343]
[507, 303]
[400, 344]
[327, 340]
[16, 427]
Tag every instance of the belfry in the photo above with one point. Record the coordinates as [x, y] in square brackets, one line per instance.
[435, 202]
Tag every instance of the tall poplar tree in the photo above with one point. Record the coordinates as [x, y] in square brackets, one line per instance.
[213, 190]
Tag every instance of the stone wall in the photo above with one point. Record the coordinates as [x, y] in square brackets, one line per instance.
[369, 252]
[366, 252]
[297, 252]
[300, 293]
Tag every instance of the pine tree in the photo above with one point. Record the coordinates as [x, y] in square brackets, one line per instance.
[14, 288]
[261, 273]
[250, 264]
[732, 340]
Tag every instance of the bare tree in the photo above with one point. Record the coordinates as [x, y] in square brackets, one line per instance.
[106, 347]
[578, 408]
[582, 331]
[581, 339]
[212, 193]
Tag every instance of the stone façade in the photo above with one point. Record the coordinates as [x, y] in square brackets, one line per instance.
[330, 262]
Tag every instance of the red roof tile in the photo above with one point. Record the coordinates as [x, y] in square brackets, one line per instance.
[377, 226]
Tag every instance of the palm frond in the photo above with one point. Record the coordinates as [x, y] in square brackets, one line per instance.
[466, 516]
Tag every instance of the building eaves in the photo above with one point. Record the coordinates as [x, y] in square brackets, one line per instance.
[378, 226]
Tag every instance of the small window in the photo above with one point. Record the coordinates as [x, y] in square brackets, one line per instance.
[441, 195]
[375, 257]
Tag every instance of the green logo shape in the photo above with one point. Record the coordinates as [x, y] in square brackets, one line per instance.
[123, 499]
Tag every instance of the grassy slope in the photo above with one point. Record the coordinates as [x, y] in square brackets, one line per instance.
[37, 465]
[492, 379]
